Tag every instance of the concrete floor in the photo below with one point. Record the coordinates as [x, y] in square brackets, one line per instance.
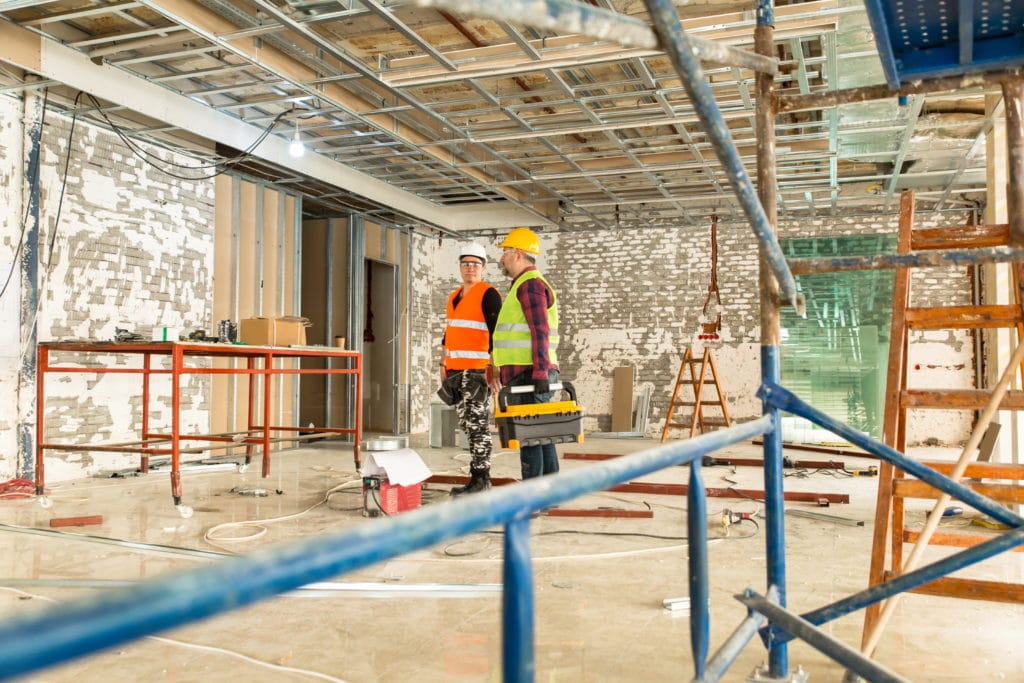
[598, 596]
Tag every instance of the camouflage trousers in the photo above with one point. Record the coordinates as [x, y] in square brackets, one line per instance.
[474, 413]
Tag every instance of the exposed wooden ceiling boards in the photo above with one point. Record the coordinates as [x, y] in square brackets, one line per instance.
[467, 123]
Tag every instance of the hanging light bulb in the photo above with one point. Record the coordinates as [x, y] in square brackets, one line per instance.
[296, 148]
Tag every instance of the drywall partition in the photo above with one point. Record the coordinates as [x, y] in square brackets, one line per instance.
[256, 265]
[337, 254]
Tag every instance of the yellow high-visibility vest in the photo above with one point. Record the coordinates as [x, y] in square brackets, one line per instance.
[512, 340]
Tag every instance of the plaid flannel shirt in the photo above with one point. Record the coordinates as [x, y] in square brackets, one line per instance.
[535, 298]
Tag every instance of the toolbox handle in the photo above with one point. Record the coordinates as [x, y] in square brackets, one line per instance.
[528, 388]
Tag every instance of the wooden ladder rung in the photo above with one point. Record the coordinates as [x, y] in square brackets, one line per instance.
[981, 470]
[891, 531]
[973, 589]
[953, 539]
[958, 399]
[964, 317]
[915, 488]
[697, 381]
[963, 237]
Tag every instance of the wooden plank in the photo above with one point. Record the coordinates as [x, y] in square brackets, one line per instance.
[981, 470]
[622, 399]
[76, 521]
[964, 237]
[954, 540]
[963, 317]
[682, 489]
[463, 479]
[988, 440]
[1003, 493]
[959, 399]
[590, 456]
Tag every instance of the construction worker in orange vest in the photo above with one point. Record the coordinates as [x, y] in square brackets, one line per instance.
[467, 374]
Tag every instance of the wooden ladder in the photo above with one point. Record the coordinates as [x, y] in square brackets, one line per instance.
[890, 532]
[697, 381]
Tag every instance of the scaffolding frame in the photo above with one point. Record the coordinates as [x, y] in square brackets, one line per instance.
[80, 628]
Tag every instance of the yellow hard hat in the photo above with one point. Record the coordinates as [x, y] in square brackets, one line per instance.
[522, 238]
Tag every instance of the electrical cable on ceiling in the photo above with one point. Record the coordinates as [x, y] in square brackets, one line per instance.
[139, 152]
[222, 166]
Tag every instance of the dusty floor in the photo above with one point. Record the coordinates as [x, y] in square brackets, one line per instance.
[600, 583]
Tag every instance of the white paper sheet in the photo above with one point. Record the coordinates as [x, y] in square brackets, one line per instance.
[403, 467]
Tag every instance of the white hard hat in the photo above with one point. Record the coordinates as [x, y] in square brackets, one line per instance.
[473, 249]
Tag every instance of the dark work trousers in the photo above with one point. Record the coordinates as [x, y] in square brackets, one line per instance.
[474, 413]
[536, 461]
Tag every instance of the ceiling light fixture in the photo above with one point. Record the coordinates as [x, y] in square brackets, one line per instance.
[296, 148]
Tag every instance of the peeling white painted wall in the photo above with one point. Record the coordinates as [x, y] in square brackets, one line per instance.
[133, 250]
[12, 162]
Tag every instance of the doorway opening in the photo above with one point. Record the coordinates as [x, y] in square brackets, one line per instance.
[380, 348]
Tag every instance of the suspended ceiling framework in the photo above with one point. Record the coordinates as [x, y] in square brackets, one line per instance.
[417, 116]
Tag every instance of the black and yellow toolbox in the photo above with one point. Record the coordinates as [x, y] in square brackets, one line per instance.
[536, 424]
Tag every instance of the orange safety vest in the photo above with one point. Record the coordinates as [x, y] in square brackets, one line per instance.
[467, 340]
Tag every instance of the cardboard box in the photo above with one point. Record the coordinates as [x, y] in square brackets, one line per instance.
[283, 331]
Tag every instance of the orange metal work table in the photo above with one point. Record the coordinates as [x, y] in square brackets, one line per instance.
[260, 362]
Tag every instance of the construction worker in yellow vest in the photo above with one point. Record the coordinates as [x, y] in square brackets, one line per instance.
[526, 338]
[467, 373]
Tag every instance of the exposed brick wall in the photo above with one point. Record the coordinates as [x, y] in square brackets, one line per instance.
[133, 250]
[634, 297]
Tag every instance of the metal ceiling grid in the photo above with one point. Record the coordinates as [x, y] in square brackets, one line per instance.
[459, 111]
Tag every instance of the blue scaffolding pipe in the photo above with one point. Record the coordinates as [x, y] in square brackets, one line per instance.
[734, 644]
[784, 399]
[78, 628]
[517, 604]
[774, 513]
[697, 531]
[679, 49]
[821, 641]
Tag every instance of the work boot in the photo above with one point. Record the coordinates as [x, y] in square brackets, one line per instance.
[478, 481]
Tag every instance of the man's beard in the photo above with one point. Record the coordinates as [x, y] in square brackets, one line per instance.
[504, 270]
